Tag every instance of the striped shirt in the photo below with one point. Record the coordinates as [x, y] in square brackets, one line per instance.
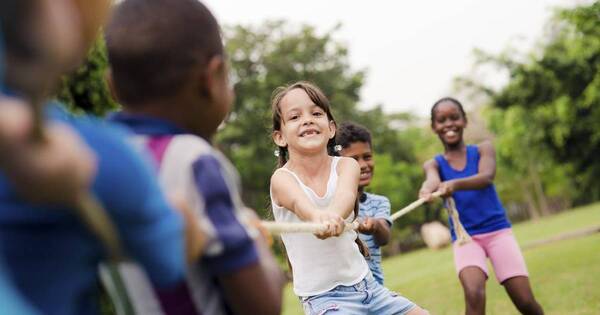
[189, 166]
[378, 207]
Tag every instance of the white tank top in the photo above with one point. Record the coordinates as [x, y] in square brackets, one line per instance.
[320, 265]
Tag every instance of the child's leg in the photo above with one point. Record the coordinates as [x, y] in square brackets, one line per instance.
[520, 293]
[473, 280]
[470, 262]
[511, 271]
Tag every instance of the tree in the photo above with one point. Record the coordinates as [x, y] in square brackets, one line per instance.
[547, 115]
[86, 89]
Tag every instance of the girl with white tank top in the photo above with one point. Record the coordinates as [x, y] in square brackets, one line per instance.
[329, 271]
[321, 265]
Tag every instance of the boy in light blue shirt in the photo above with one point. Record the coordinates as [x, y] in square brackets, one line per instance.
[374, 210]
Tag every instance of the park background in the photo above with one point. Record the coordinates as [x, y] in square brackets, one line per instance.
[541, 108]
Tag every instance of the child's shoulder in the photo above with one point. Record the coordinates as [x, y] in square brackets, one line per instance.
[484, 144]
[346, 163]
[282, 176]
[485, 147]
[432, 163]
[89, 127]
[345, 159]
[189, 153]
[189, 148]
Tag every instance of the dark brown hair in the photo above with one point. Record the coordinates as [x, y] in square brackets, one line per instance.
[153, 44]
[350, 132]
[316, 95]
[447, 99]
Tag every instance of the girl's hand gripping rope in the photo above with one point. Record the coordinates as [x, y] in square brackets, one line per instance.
[333, 223]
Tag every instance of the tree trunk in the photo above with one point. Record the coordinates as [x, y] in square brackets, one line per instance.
[538, 188]
[532, 210]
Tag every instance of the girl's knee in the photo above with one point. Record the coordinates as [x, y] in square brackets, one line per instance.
[475, 294]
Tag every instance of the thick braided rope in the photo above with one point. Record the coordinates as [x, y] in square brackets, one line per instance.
[308, 227]
[411, 207]
[462, 237]
[300, 227]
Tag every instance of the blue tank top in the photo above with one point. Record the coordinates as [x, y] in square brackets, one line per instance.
[480, 210]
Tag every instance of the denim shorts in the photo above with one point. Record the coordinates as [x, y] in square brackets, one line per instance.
[367, 297]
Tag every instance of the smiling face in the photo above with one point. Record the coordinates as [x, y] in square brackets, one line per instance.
[449, 122]
[361, 152]
[305, 127]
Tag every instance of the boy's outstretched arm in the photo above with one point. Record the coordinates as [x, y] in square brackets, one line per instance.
[379, 228]
[432, 179]
[379, 225]
[485, 176]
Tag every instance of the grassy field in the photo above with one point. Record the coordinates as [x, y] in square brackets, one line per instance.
[564, 274]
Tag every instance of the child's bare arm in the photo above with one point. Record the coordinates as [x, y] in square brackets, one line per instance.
[347, 187]
[432, 179]
[195, 239]
[288, 194]
[485, 176]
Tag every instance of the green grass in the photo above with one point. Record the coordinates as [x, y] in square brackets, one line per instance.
[563, 274]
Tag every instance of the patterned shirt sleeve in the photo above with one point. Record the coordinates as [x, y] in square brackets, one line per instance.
[382, 210]
[238, 246]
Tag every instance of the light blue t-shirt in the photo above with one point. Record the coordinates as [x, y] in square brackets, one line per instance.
[378, 207]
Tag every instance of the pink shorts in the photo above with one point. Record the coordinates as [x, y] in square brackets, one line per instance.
[502, 249]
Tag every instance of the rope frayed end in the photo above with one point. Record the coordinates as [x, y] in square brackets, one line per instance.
[462, 237]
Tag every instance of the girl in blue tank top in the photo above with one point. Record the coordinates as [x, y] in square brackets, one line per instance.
[466, 172]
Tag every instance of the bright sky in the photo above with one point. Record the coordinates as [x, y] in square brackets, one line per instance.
[411, 49]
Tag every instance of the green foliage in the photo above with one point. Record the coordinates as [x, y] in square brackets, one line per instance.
[86, 89]
[546, 117]
[400, 182]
